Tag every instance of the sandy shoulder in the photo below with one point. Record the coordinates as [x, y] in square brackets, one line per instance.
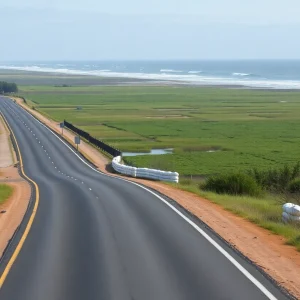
[6, 158]
[15, 207]
[267, 250]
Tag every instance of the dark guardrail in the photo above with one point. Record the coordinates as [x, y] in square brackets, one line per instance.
[99, 144]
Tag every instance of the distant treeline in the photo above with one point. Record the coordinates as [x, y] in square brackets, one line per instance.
[7, 87]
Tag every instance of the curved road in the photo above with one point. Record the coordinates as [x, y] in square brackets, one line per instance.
[99, 237]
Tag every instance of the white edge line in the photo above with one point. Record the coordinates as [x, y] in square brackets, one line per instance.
[203, 233]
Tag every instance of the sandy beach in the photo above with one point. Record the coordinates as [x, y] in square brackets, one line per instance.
[58, 79]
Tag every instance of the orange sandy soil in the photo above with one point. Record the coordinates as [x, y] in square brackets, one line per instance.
[14, 207]
[6, 158]
[267, 250]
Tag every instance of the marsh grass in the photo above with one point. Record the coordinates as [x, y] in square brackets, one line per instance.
[234, 123]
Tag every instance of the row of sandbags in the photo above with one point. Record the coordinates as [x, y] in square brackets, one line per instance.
[144, 172]
[123, 169]
[157, 174]
[291, 212]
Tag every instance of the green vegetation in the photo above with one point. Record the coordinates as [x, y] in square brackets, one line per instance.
[233, 184]
[252, 183]
[294, 186]
[6, 87]
[5, 192]
[277, 179]
[212, 130]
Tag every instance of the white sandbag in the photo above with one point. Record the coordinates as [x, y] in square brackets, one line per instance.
[290, 218]
[287, 205]
[294, 218]
[144, 172]
[285, 217]
[291, 209]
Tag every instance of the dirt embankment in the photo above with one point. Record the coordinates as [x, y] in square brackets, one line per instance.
[14, 208]
[6, 155]
[267, 250]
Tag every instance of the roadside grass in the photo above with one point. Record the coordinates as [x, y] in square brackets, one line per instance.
[264, 211]
[5, 192]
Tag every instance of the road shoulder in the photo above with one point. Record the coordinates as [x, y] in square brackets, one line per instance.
[6, 155]
[14, 208]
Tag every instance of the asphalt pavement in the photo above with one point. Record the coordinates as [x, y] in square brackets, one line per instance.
[99, 237]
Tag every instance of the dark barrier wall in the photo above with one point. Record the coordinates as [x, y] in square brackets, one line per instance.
[104, 147]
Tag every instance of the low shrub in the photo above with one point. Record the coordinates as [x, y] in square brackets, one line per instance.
[233, 184]
[276, 179]
[294, 186]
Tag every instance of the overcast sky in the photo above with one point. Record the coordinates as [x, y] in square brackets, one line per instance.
[153, 29]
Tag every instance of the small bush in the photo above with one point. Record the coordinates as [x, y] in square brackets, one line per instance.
[276, 179]
[294, 186]
[233, 184]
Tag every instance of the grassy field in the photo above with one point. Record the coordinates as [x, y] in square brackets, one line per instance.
[212, 130]
[5, 192]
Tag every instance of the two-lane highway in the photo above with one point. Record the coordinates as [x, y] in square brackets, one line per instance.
[99, 237]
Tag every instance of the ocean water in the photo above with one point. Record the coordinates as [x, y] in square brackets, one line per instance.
[278, 74]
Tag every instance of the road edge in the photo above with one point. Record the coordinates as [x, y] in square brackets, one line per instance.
[11, 148]
[16, 243]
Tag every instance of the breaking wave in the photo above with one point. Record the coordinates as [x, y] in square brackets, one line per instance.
[241, 74]
[171, 77]
[170, 71]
